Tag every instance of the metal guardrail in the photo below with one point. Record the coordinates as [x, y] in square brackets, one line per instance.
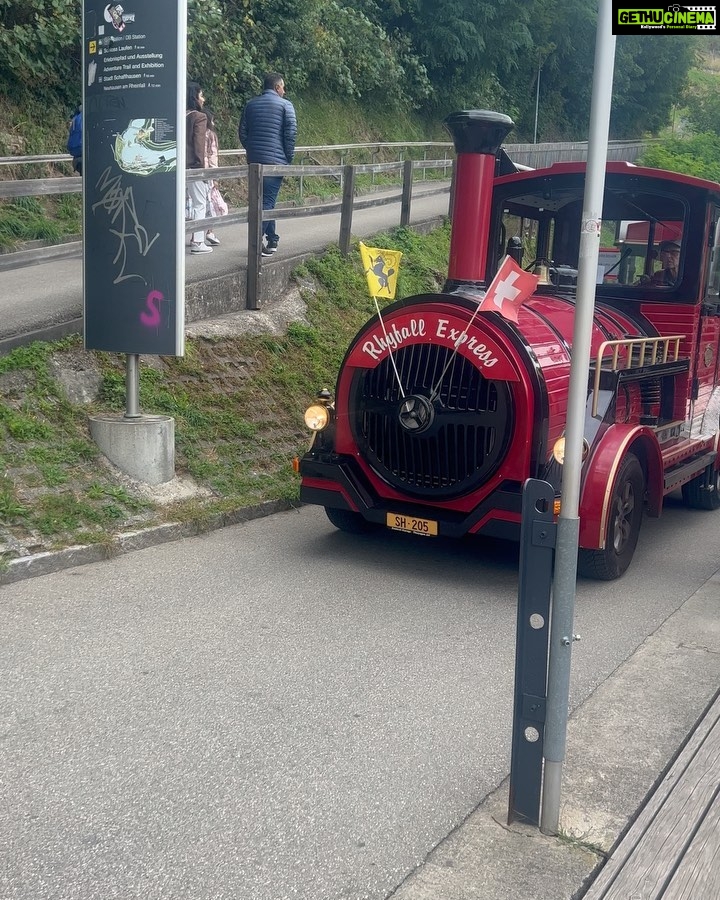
[539, 156]
[536, 155]
[253, 213]
[345, 174]
[73, 184]
[373, 147]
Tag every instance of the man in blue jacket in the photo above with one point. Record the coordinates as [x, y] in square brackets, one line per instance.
[268, 130]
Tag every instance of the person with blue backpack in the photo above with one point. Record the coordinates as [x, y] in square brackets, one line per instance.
[74, 141]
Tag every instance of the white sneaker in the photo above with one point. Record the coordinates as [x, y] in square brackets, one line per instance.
[199, 248]
[212, 238]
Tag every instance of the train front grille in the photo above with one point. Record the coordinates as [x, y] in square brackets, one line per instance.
[444, 434]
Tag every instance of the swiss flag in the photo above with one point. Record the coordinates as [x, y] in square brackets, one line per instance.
[509, 289]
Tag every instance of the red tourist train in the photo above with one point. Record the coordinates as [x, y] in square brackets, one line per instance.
[437, 436]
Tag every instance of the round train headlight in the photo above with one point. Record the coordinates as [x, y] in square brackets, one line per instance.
[317, 417]
[558, 450]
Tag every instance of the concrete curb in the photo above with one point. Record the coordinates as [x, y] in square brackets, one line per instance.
[46, 563]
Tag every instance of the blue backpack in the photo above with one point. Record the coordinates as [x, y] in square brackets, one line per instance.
[74, 141]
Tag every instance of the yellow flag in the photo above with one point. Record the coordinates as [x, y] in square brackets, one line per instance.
[381, 270]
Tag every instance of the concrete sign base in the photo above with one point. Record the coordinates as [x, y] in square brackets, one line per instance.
[142, 447]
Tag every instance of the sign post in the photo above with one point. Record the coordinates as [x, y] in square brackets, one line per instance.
[134, 78]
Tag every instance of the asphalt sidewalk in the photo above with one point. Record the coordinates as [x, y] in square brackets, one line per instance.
[620, 742]
[46, 300]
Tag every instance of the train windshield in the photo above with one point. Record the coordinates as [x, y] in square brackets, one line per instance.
[538, 222]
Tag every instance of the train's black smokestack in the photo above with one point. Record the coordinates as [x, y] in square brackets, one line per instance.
[477, 134]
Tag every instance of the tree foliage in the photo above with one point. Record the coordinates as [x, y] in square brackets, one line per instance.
[698, 155]
[650, 77]
[40, 48]
[702, 102]
[218, 55]
[563, 33]
[434, 56]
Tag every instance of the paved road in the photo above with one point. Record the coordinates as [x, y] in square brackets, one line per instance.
[47, 298]
[277, 710]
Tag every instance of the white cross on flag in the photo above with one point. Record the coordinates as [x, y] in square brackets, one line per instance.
[509, 289]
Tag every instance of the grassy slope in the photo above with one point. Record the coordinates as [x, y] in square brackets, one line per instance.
[237, 405]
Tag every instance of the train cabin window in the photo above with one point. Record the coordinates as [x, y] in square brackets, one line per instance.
[640, 222]
[712, 292]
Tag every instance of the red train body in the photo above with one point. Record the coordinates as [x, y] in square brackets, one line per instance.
[442, 412]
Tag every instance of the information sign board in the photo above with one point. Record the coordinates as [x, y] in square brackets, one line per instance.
[133, 176]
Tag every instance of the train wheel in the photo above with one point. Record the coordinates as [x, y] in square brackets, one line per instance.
[626, 509]
[697, 495]
[349, 521]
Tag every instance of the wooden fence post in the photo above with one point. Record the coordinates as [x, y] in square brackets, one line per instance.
[346, 211]
[255, 177]
[406, 193]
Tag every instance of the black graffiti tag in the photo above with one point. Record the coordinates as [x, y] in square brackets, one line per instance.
[120, 205]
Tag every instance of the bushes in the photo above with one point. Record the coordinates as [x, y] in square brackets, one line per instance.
[698, 155]
[40, 48]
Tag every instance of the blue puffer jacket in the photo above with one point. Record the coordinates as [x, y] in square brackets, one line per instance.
[268, 129]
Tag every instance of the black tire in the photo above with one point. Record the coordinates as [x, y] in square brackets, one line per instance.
[349, 521]
[697, 496]
[624, 520]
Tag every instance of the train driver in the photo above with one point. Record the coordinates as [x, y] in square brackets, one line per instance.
[669, 258]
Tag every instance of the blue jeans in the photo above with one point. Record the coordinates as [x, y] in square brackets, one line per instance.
[271, 189]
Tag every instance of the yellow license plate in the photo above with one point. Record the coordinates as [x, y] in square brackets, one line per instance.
[399, 522]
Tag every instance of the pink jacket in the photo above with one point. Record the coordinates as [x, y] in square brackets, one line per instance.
[211, 149]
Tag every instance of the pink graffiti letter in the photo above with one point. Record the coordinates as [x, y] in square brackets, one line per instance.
[152, 318]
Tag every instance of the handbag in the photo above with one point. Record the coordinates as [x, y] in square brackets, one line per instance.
[217, 202]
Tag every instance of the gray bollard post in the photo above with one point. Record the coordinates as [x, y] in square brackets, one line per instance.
[132, 386]
[537, 540]
[407, 187]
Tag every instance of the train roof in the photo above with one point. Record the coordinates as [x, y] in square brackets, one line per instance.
[616, 168]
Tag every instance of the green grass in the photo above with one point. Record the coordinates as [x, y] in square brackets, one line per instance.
[26, 219]
[11, 509]
[237, 403]
[49, 219]
[323, 121]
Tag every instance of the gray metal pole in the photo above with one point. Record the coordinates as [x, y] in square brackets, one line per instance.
[561, 631]
[132, 386]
